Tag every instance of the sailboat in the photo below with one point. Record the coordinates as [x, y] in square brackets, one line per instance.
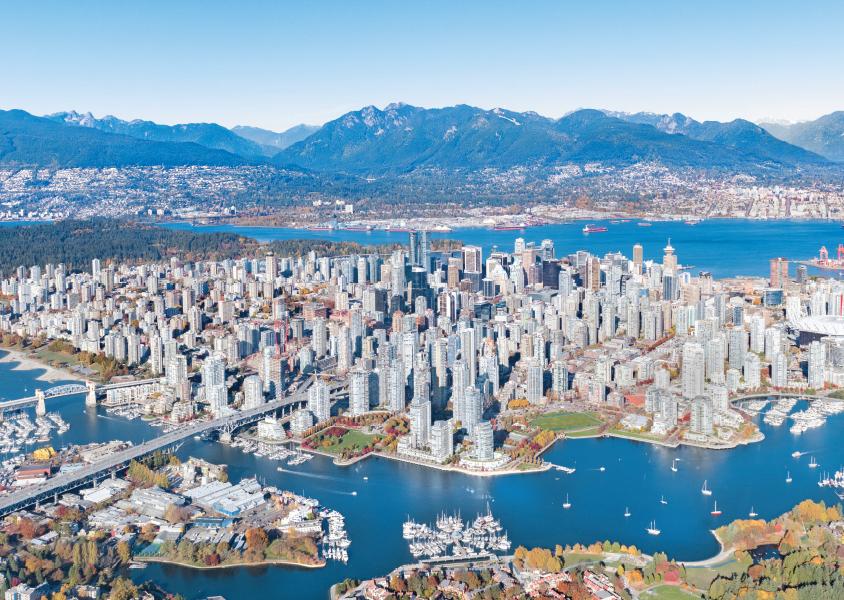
[652, 530]
[626, 512]
[674, 465]
[813, 464]
[788, 476]
[705, 490]
[752, 514]
[715, 512]
[663, 500]
[567, 504]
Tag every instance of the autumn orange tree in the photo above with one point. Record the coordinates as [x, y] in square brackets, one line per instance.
[256, 538]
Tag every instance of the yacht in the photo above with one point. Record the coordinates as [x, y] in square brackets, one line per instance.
[626, 512]
[813, 464]
[652, 530]
[796, 454]
[567, 504]
[602, 469]
[705, 490]
[715, 512]
[788, 477]
[663, 500]
[752, 514]
[674, 465]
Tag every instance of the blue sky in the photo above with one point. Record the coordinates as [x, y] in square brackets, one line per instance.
[275, 64]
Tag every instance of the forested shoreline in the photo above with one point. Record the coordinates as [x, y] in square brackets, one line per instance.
[75, 243]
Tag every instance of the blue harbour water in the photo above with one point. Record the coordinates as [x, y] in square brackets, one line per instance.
[636, 474]
[724, 247]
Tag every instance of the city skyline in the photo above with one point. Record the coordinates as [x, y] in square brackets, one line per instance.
[294, 295]
[276, 66]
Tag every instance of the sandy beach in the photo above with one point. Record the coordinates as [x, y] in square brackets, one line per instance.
[25, 363]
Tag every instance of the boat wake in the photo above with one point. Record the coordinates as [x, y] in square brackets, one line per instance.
[311, 475]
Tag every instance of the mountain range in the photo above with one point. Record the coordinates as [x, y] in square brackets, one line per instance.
[27, 140]
[740, 134]
[248, 142]
[825, 135]
[273, 141]
[401, 138]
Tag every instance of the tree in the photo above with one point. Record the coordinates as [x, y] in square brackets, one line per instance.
[256, 539]
[124, 553]
[123, 589]
[27, 528]
[176, 514]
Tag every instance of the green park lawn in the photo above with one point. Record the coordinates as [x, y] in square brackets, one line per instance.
[701, 577]
[566, 421]
[667, 592]
[351, 440]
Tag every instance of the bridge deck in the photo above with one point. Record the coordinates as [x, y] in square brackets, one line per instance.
[68, 390]
[67, 481]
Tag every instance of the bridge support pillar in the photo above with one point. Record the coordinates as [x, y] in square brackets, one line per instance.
[226, 437]
[91, 397]
[40, 404]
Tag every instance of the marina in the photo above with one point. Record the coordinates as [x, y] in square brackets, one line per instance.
[275, 452]
[815, 415]
[335, 544]
[21, 434]
[449, 536]
[779, 412]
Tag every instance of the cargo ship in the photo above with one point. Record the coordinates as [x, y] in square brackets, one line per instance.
[594, 229]
[508, 227]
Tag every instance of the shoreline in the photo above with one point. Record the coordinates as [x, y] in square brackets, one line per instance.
[545, 466]
[713, 561]
[25, 362]
[446, 468]
[473, 224]
[263, 563]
